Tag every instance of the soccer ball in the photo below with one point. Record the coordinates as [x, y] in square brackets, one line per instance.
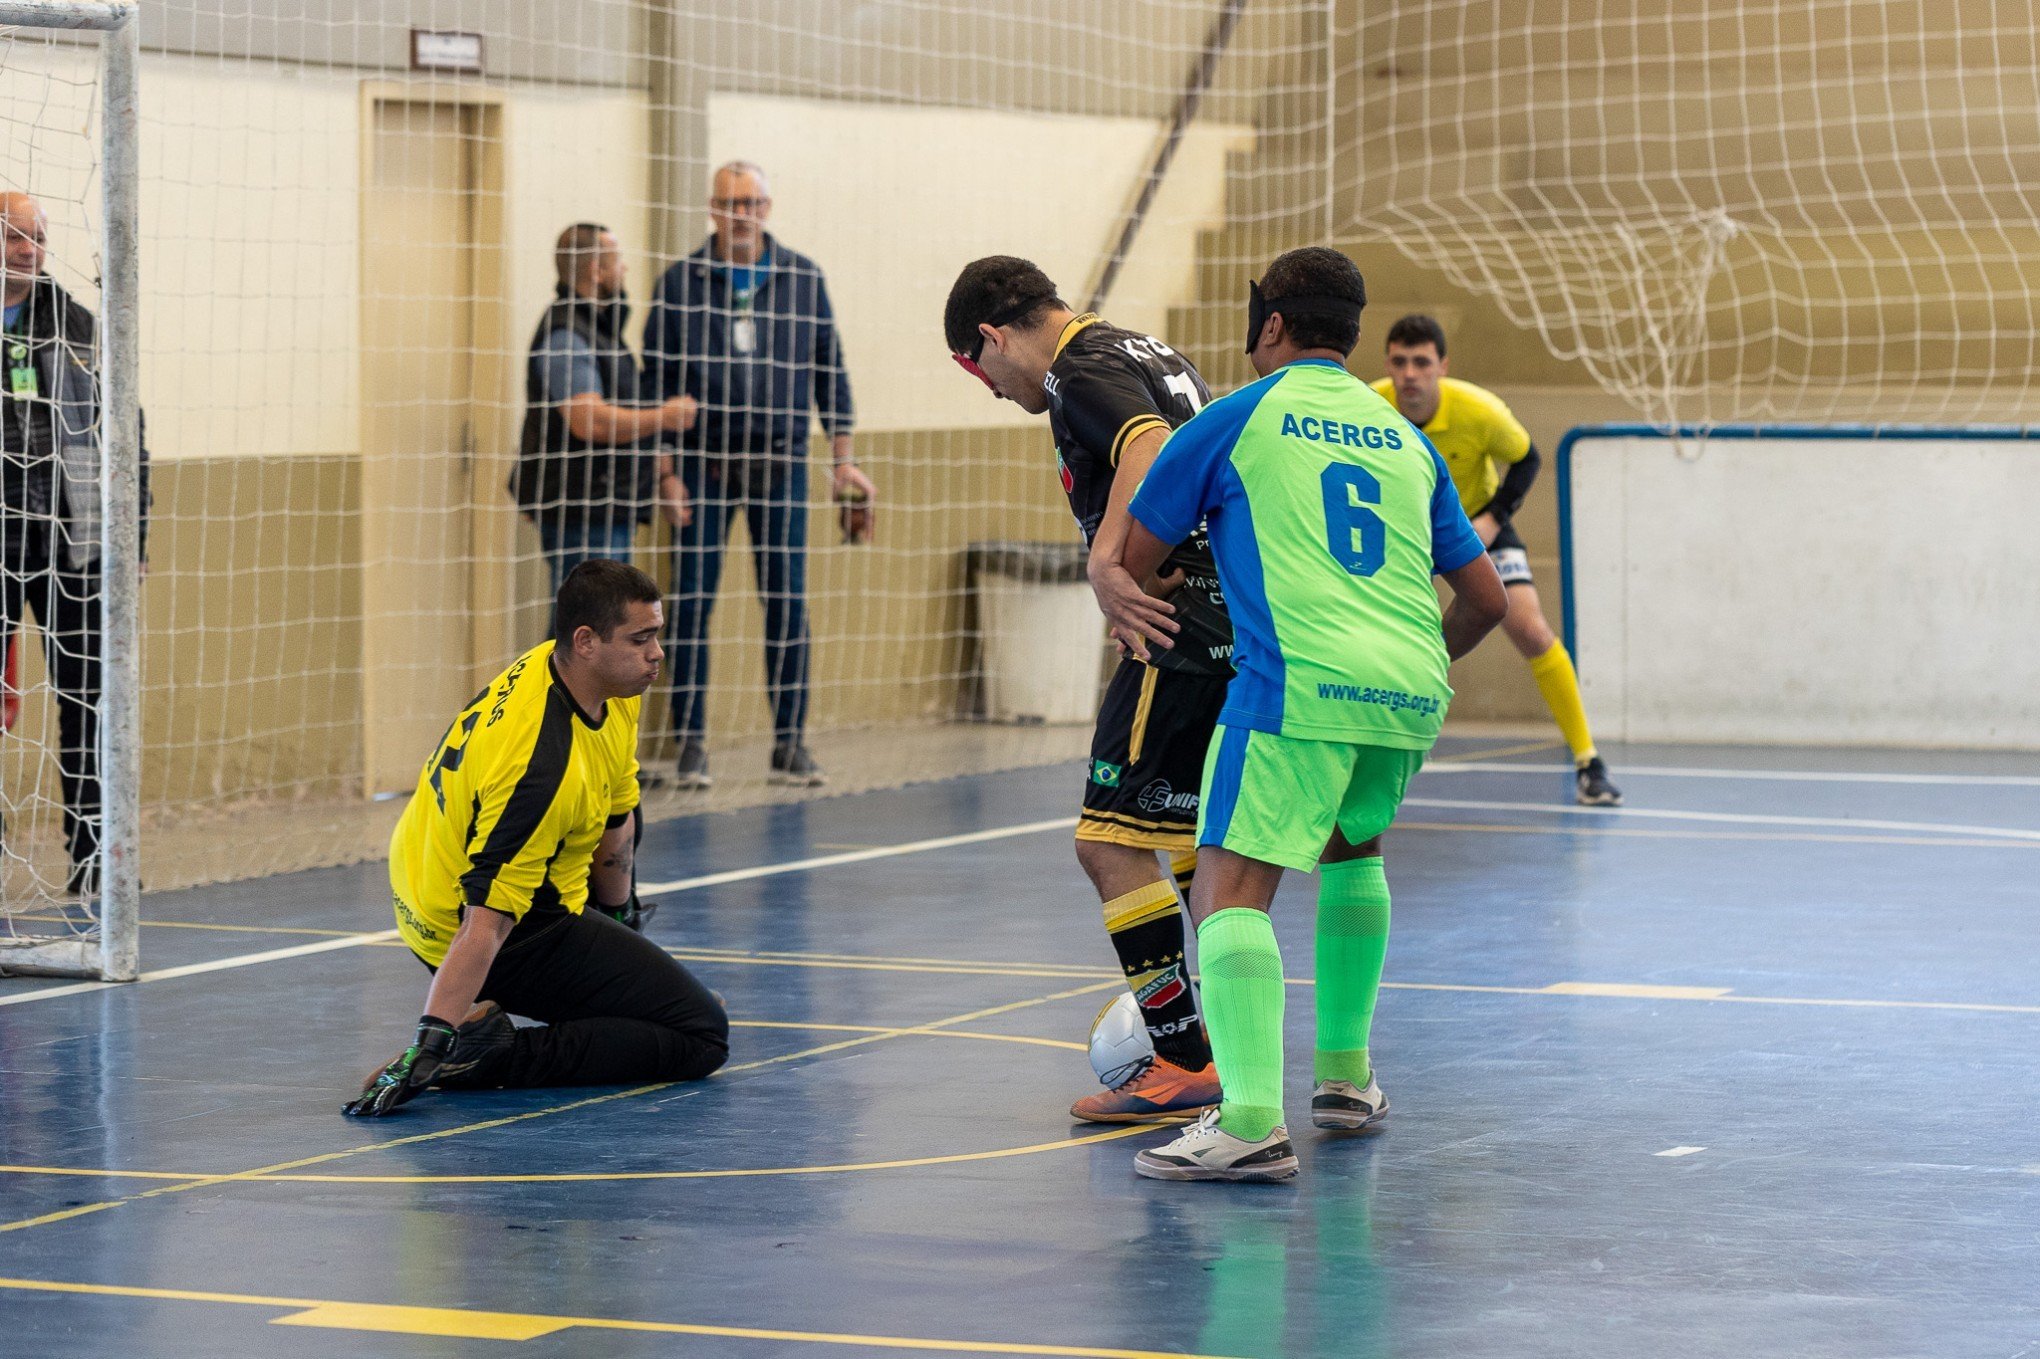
[1120, 1045]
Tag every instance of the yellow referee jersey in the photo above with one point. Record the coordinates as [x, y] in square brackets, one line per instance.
[511, 806]
[1473, 430]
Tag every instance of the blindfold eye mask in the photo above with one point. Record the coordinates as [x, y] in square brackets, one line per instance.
[1260, 307]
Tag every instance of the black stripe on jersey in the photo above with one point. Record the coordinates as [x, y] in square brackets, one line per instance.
[534, 793]
[1133, 429]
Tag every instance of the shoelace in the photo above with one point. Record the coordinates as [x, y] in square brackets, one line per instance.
[1138, 1073]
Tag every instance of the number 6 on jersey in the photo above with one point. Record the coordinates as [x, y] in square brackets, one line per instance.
[1357, 537]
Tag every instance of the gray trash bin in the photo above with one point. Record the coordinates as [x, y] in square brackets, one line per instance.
[1042, 639]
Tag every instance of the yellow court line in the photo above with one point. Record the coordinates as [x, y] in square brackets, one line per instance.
[478, 1324]
[324, 1158]
[604, 1177]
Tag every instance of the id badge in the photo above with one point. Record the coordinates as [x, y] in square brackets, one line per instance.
[744, 335]
[22, 381]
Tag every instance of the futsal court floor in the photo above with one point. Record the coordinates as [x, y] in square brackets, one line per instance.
[1744, 1068]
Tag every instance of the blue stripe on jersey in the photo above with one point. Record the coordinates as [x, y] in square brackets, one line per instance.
[1254, 697]
[1227, 764]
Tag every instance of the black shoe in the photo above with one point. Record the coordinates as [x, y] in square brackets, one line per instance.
[1592, 788]
[481, 1049]
[691, 768]
[793, 767]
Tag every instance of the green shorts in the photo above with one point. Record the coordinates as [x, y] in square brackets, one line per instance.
[1276, 798]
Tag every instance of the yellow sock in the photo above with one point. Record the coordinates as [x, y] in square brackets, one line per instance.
[1560, 685]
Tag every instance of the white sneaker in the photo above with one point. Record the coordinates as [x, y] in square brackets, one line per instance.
[1206, 1151]
[1342, 1104]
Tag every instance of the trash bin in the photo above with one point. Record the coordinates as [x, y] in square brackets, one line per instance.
[1041, 640]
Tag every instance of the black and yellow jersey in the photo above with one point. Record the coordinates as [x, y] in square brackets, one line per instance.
[1106, 387]
[511, 806]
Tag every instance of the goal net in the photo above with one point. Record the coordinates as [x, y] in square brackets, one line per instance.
[1725, 211]
[348, 240]
[70, 490]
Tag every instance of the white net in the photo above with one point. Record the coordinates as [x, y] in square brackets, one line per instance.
[56, 617]
[344, 259]
[1725, 211]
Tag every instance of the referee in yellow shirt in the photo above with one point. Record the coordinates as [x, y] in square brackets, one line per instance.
[525, 818]
[1474, 431]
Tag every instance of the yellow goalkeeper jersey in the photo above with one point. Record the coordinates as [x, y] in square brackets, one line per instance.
[511, 806]
[1473, 431]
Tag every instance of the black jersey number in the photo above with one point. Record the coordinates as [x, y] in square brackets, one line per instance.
[451, 756]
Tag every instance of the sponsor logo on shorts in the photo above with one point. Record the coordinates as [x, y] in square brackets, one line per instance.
[1159, 796]
[1166, 987]
[1106, 774]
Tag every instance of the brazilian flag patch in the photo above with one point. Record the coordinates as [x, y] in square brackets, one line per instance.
[1106, 775]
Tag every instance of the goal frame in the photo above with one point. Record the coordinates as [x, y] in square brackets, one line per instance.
[115, 955]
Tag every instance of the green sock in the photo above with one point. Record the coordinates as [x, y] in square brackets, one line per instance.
[1352, 941]
[1242, 982]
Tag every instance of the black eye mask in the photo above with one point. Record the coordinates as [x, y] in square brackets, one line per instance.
[1260, 308]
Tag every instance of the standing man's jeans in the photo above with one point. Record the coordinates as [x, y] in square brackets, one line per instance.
[567, 545]
[36, 575]
[770, 490]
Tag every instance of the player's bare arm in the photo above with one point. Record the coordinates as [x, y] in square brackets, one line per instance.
[1138, 619]
[1479, 602]
[1134, 462]
[609, 877]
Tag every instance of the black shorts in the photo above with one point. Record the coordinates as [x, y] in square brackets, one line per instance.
[1147, 757]
[1510, 557]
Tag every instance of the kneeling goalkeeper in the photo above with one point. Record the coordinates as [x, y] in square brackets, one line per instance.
[525, 817]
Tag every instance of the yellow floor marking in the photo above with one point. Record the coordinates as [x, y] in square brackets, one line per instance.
[1635, 990]
[282, 1167]
[369, 1316]
[501, 1325]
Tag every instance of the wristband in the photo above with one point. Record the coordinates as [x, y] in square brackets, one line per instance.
[434, 1038]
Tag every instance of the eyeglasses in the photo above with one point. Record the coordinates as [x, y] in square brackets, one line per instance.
[738, 204]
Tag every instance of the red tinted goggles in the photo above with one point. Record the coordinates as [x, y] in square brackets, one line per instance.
[969, 365]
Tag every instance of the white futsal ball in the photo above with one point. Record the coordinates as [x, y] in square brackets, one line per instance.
[1120, 1045]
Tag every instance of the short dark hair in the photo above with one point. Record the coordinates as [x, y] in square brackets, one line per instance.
[1317, 271]
[577, 245]
[598, 594]
[999, 290]
[1414, 330]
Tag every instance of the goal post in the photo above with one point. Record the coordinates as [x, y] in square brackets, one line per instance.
[102, 939]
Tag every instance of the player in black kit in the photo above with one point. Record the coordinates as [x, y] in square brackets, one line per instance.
[1112, 396]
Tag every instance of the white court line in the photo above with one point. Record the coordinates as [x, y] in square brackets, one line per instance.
[1679, 1151]
[681, 885]
[858, 856]
[1770, 775]
[216, 965]
[1732, 818]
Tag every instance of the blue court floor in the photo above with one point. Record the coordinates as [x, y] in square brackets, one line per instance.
[1744, 1068]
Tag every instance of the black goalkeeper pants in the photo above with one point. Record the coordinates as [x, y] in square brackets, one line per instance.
[613, 1007]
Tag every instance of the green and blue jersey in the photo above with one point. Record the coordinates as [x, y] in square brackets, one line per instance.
[1329, 514]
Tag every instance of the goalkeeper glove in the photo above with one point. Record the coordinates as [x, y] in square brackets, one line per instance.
[411, 1072]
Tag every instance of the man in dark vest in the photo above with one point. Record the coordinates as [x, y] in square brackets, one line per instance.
[589, 463]
[50, 509]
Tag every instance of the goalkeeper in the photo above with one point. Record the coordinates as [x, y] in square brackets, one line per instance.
[524, 818]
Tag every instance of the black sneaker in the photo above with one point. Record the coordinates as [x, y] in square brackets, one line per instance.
[481, 1049]
[691, 769]
[1591, 786]
[793, 767]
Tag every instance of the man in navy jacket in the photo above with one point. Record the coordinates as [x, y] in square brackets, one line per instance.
[744, 327]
